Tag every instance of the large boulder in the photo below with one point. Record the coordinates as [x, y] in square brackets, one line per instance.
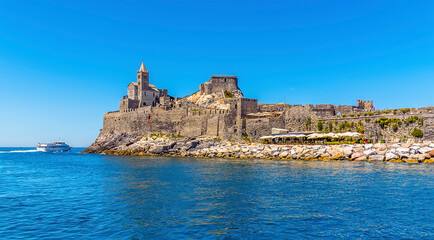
[362, 158]
[431, 153]
[394, 145]
[191, 144]
[368, 146]
[158, 149]
[406, 145]
[378, 152]
[425, 150]
[403, 150]
[423, 156]
[376, 157]
[356, 155]
[380, 146]
[338, 156]
[369, 152]
[391, 156]
[347, 151]
[283, 154]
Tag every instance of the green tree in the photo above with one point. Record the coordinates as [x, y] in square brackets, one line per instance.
[308, 123]
[320, 125]
[330, 126]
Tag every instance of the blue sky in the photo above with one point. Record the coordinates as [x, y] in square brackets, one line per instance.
[65, 63]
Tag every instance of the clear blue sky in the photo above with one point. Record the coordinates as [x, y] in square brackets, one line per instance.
[65, 63]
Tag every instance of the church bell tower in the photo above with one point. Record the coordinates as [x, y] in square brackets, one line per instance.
[142, 83]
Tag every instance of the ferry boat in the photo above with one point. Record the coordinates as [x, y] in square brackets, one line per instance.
[53, 147]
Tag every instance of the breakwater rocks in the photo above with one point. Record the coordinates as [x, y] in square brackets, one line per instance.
[208, 147]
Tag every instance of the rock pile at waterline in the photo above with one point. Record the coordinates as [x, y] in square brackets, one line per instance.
[208, 147]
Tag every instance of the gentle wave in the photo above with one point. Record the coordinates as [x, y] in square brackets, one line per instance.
[20, 151]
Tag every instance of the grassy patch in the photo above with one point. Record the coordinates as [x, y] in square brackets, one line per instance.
[229, 94]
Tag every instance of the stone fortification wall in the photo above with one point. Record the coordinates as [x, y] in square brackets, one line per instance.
[387, 127]
[298, 117]
[247, 105]
[324, 110]
[345, 109]
[376, 127]
[178, 121]
[273, 107]
[256, 128]
[219, 83]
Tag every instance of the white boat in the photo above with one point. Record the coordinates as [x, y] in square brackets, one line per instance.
[53, 147]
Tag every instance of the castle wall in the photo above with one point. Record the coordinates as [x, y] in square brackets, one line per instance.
[219, 84]
[147, 120]
[127, 103]
[324, 110]
[296, 118]
[256, 128]
[345, 109]
[247, 105]
[273, 107]
[372, 129]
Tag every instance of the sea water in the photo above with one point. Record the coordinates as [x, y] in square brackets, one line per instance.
[90, 196]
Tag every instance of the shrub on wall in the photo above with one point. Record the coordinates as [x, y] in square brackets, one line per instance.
[417, 133]
[360, 129]
[229, 94]
[395, 127]
[405, 110]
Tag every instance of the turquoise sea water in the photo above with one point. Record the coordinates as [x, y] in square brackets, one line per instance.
[89, 196]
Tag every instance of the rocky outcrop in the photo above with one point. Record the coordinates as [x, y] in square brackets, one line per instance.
[105, 142]
[124, 144]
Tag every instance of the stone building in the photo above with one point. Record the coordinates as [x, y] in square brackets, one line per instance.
[141, 93]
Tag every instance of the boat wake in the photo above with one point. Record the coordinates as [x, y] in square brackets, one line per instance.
[20, 151]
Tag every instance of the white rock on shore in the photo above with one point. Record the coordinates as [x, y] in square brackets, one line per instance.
[209, 147]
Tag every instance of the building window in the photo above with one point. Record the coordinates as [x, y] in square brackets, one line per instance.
[235, 130]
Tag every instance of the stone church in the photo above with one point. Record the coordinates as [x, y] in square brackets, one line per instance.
[141, 93]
